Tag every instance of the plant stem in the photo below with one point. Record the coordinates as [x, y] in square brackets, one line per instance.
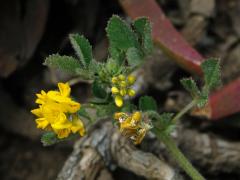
[178, 155]
[183, 111]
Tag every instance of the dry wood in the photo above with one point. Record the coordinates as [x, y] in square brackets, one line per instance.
[114, 149]
[205, 150]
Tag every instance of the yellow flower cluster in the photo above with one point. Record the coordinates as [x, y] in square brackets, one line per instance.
[57, 112]
[121, 87]
[132, 125]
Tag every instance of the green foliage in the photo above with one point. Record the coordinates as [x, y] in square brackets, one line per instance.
[83, 48]
[49, 138]
[202, 99]
[143, 29]
[134, 57]
[98, 90]
[190, 85]
[134, 43]
[66, 64]
[83, 113]
[147, 103]
[113, 68]
[121, 36]
[211, 70]
[164, 123]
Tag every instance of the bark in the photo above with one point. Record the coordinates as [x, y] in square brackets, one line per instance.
[205, 150]
[105, 142]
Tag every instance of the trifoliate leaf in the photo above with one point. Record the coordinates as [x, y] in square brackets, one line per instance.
[134, 57]
[190, 85]
[49, 138]
[143, 28]
[98, 90]
[147, 103]
[66, 64]
[120, 35]
[83, 48]
[211, 70]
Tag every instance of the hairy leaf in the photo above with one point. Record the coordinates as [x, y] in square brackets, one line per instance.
[64, 63]
[211, 70]
[49, 138]
[143, 28]
[147, 103]
[202, 99]
[190, 85]
[120, 35]
[134, 57]
[83, 48]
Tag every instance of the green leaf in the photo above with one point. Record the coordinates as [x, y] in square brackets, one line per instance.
[83, 48]
[190, 85]
[83, 113]
[134, 57]
[143, 28]
[66, 64]
[98, 90]
[93, 67]
[84, 73]
[117, 55]
[120, 35]
[202, 99]
[112, 66]
[211, 70]
[164, 123]
[49, 138]
[147, 103]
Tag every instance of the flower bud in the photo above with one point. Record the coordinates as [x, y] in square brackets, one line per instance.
[131, 92]
[131, 79]
[119, 101]
[121, 77]
[115, 90]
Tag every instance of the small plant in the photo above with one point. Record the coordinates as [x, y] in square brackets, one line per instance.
[113, 87]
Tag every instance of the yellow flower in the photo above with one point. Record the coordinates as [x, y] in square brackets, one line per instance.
[57, 112]
[121, 87]
[132, 125]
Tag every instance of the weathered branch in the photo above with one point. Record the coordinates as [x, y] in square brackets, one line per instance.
[85, 163]
[113, 148]
[204, 149]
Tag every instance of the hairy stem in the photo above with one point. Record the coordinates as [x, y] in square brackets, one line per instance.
[178, 155]
[184, 110]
